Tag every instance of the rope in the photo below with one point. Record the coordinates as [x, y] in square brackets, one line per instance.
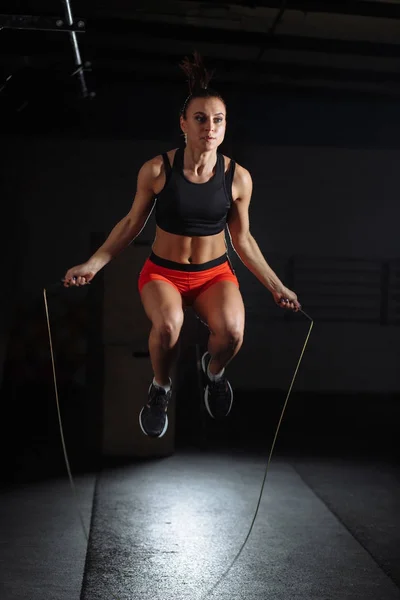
[227, 571]
[71, 480]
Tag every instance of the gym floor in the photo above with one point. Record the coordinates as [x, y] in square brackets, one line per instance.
[327, 528]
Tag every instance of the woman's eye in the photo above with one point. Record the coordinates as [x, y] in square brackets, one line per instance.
[203, 119]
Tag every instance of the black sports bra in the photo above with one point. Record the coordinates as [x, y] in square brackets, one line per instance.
[194, 209]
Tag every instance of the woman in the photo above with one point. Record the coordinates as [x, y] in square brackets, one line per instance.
[198, 192]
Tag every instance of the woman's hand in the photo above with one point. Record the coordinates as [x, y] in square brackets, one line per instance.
[285, 298]
[79, 275]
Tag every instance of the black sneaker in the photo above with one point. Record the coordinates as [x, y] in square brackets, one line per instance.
[218, 395]
[153, 418]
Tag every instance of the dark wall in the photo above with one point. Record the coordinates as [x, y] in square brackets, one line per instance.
[319, 202]
[325, 185]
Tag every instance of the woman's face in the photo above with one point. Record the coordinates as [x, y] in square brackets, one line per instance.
[205, 123]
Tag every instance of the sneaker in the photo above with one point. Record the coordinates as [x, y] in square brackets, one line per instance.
[218, 395]
[153, 418]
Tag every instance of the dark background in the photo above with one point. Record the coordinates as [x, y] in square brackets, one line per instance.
[312, 91]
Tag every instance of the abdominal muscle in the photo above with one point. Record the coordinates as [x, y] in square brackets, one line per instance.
[188, 250]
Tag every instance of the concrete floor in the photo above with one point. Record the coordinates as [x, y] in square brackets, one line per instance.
[168, 528]
[43, 548]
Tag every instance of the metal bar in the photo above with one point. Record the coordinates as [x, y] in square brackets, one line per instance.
[40, 23]
[75, 48]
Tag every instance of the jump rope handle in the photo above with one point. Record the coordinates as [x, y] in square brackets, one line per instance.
[59, 285]
[284, 301]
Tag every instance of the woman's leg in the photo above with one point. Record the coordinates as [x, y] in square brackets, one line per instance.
[221, 308]
[163, 305]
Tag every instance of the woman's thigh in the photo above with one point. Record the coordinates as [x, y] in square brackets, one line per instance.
[162, 303]
[221, 308]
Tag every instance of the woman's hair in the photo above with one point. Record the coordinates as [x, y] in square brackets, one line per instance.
[198, 79]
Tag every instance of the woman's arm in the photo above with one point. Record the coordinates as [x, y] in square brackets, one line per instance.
[246, 246]
[125, 230]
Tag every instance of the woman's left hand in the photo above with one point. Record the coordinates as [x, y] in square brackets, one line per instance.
[285, 298]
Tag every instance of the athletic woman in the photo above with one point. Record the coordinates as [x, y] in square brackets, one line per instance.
[198, 193]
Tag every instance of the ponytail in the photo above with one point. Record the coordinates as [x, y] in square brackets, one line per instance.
[198, 78]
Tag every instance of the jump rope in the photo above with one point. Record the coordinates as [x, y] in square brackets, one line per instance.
[211, 591]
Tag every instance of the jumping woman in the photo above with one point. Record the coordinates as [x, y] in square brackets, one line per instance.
[198, 192]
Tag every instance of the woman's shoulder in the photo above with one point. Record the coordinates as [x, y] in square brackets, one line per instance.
[241, 173]
[156, 165]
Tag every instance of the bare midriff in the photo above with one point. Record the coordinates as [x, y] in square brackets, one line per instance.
[188, 250]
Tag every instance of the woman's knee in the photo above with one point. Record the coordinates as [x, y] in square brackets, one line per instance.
[230, 332]
[167, 327]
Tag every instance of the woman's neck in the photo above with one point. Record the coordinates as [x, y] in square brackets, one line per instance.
[199, 162]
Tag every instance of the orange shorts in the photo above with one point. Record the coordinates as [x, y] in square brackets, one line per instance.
[189, 280]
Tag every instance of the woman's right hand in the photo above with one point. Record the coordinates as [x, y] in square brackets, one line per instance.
[79, 275]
